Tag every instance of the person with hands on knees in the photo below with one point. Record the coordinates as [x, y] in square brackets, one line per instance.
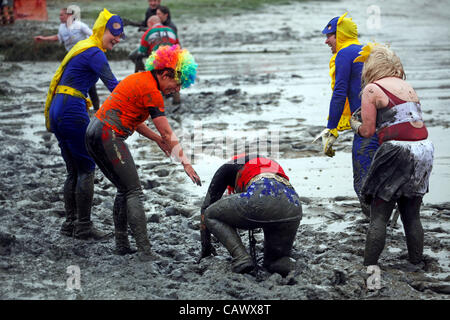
[135, 99]
[66, 115]
[342, 38]
[262, 198]
[401, 168]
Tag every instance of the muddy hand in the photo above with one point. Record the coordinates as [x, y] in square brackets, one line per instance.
[356, 121]
[192, 174]
[164, 147]
[328, 138]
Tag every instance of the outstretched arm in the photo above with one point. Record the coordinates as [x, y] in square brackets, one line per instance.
[152, 135]
[46, 38]
[170, 139]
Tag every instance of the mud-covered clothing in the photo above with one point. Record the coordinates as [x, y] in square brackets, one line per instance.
[134, 100]
[265, 203]
[68, 113]
[402, 165]
[347, 87]
[155, 37]
[69, 36]
[114, 159]
[363, 151]
[393, 121]
[381, 211]
[347, 84]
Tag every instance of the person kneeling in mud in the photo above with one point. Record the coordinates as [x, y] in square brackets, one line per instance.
[263, 198]
[135, 98]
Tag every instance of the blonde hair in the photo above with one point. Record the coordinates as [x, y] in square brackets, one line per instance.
[381, 63]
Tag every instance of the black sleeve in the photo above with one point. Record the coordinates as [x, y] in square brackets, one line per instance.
[224, 176]
[155, 112]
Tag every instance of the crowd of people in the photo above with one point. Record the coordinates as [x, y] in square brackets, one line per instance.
[391, 154]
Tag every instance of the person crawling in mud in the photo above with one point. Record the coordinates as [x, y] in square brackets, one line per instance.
[263, 198]
[66, 115]
[342, 37]
[134, 100]
[401, 167]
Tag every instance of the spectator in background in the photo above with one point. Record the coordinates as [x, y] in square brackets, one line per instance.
[71, 30]
[164, 14]
[151, 11]
[7, 12]
[153, 38]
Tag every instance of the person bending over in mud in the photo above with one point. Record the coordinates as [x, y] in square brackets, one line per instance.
[401, 167]
[135, 98]
[263, 198]
[67, 117]
[342, 38]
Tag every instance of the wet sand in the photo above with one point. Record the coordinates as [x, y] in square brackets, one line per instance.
[270, 82]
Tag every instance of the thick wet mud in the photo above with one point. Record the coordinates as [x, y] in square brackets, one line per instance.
[270, 86]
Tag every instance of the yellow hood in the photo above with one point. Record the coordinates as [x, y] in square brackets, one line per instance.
[346, 35]
[95, 40]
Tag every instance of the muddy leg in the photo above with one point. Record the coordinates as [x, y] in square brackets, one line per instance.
[278, 241]
[376, 235]
[121, 225]
[84, 195]
[222, 219]
[410, 215]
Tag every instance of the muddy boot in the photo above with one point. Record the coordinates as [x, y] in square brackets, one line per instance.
[242, 262]
[68, 225]
[283, 266]
[120, 226]
[70, 208]
[122, 244]
[84, 228]
[138, 224]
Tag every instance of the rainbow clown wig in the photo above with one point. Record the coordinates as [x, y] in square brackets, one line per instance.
[173, 57]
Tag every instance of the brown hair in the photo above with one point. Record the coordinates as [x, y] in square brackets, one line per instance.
[381, 63]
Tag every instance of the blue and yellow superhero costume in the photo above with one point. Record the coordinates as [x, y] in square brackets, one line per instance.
[346, 85]
[67, 117]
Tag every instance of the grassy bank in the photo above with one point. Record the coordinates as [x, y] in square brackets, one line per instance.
[16, 43]
[135, 9]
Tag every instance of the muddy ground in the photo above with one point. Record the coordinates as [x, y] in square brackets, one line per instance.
[251, 85]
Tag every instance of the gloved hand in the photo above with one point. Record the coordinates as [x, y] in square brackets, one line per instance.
[328, 136]
[356, 120]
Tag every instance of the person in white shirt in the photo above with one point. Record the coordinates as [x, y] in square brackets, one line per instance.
[71, 30]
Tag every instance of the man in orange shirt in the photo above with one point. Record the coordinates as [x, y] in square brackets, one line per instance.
[134, 100]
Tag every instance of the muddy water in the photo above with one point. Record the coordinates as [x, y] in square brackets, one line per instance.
[264, 78]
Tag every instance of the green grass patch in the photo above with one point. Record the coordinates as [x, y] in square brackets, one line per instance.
[180, 9]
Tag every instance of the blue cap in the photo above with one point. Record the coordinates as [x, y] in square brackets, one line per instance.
[331, 26]
[115, 26]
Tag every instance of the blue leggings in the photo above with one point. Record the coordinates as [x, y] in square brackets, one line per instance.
[363, 150]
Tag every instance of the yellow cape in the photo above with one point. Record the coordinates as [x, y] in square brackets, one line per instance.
[346, 35]
[95, 40]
